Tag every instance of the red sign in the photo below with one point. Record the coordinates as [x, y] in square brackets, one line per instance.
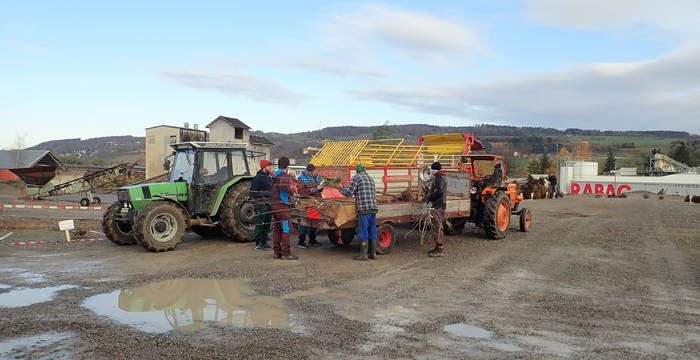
[599, 189]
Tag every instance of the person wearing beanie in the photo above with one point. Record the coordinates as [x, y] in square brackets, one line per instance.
[363, 189]
[309, 184]
[437, 196]
[260, 189]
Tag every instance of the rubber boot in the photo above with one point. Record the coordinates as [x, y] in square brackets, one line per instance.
[372, 249]
[363, 251]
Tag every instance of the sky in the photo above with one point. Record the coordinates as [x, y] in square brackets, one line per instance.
[78, 69]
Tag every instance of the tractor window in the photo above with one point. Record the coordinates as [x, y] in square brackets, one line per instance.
[183, 166]
[238, 163]
[483, 167]
[214, 168]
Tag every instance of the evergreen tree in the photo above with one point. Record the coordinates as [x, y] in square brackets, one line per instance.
[609, 163]
[545, 163]
[681, 153]
[381, 132]
[533, 167]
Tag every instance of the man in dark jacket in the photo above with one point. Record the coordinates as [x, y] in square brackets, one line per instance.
[260, 189]
[437, 196]
[281, 198]
[309, 184]
[553, 186]
[363, 189]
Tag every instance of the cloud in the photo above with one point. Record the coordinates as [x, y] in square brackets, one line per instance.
[678, 16]
[236, 84]
[352, 43]
[662, 93]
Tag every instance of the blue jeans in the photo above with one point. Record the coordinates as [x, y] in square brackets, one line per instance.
[366, 227]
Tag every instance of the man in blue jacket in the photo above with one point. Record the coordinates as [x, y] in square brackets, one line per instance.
[260, 189]
[309, 184]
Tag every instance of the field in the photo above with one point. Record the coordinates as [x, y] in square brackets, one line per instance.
[595, 278]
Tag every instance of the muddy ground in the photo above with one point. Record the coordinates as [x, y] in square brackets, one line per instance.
[594, 278]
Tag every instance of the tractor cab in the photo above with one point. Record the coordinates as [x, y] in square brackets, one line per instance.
[206, 167]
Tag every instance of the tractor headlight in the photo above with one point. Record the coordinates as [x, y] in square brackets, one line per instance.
[123, 195]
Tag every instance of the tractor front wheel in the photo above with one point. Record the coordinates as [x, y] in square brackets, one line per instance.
[496, 215]
[119, 232]
[160, 226]
[525, 219]
[237, 213]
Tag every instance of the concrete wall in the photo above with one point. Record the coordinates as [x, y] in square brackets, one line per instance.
[671, 184]
[264, 148]
[158, 140]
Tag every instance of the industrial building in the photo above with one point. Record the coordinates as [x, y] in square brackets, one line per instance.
[221, 129]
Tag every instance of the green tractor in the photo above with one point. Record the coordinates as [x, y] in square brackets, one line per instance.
[207, 193]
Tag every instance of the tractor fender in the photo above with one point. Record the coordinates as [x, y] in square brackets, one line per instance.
[222, 192]
[179, 205]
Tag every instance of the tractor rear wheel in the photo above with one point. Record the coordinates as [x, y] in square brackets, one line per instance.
[496, 215]
[119, 232]
[160, 226]
[207, 231]
[346, 236]
[237, 213]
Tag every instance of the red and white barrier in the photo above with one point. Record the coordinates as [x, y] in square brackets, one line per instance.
[53, 241]
[56, 207]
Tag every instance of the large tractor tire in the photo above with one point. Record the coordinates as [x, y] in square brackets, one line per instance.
[496, 215]
[237, 213]
[207, 232]
[160, 226]
[119, 232]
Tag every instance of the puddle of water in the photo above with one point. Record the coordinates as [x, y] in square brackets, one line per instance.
[549, 346]
[3, 286]
[42, 346]
[465, 330]
[315, 291]
[191, 304]
[28, 296]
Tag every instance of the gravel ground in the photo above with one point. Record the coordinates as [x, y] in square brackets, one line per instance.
[594, 278]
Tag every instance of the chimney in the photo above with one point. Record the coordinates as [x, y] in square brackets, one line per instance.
[195, 126]
[187, 125]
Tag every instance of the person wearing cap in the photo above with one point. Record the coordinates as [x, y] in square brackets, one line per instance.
[260, 189]
[437, 196]
[363, 189]
[281, 199]
[309, 184]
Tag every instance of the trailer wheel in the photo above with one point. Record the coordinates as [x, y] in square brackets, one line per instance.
[497, 215]
[96, 200]
[525, 219]
[237, 213]
[84, 202]
[119, 232]
[386, 238]
[160, 226]
[207, 231]
[346, 236]
[454, 226]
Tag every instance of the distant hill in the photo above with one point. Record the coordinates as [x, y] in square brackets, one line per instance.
[113, 149]
[501, 139]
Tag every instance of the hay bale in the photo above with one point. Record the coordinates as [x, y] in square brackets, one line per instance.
[695, 199]
[646, 196]
[661, 197]
[686, 198]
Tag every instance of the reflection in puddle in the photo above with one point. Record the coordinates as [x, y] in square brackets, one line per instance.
[189, 304]
[42, 346]
[315, 291]
[469, 331]
[26, 296]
